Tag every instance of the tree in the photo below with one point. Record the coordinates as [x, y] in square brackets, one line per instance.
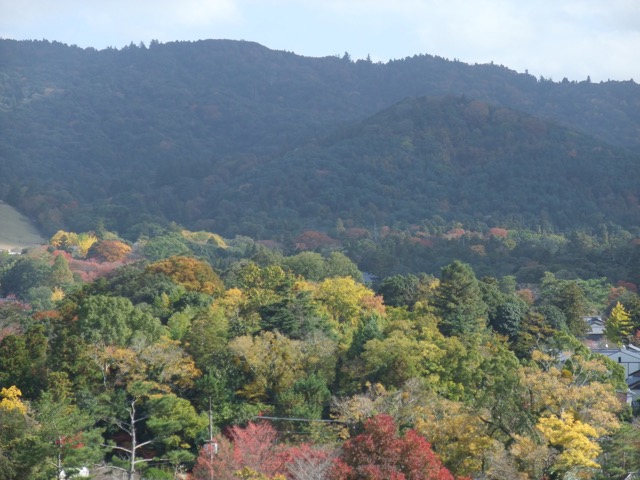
[345, 302]
[25, 274]
[379, 453]
[455, 430]
[61, 274]
[403, 354]
[23, 361]
[69, 240]
[307, 463]
[573, 438]
[405, 290]
[507, 318]
[165, 246]
[253, 452]
[569, 297]
[195, 275]
[252, 447]
[618, 327]
[534, 332]
[135, 381]
[309, 265]
[306, 398]
[295, 314]
[208, 335]
[272, 362]
[458, 301]
[110, 250]
[84, 242]
[109, 320]
[175, 424]
[621, 451]
[11, 400]
[16, 427]
[65, 437]
[339, 265]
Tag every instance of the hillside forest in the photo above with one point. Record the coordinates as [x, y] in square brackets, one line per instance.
[122, 356]
[265, 266]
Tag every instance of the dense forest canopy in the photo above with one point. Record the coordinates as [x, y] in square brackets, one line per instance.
[270, 267]
[202, 133]
[144, 361]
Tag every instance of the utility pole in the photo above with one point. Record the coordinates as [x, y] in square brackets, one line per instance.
[213, 446]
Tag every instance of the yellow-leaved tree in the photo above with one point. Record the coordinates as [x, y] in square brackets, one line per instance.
[574, 439]
[84, 242]
[618, 327]
[11, 400]
[345, 301]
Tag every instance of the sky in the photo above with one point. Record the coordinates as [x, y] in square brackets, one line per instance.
[551, 38]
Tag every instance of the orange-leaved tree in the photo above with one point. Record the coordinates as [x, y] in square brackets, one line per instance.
[193, 274]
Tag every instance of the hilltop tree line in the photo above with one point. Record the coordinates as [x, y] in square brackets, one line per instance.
[234, 138]
[113, 363]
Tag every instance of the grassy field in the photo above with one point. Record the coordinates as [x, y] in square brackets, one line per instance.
[16, 232]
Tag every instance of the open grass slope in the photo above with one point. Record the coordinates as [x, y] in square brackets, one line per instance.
[15, 230]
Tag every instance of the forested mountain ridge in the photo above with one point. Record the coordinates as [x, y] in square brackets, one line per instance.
[141, 342]
[146, 133]
[450, 158]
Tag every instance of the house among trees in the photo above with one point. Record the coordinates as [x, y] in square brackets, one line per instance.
[594, 337]
[629, 357]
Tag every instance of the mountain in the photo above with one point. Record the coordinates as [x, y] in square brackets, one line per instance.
[197, 132]
[451, 158]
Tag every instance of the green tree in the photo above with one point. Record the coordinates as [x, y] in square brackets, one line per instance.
[23, 361]
[159, 248]
[115, 321]
[345, 302]
[208, 335]
[65, 437]
[405, 290]
[339, 265]
[16, 426]
[175, 425]
[621, 451]
[458, 301]
[26, 273]
[134, 380]
[569, 298]
[61, 274]
[309, 265]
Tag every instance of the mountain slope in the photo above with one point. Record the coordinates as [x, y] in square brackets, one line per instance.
[453, 158]
[162, 133]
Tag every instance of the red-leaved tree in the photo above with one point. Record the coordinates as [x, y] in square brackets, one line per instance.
[380, 453]
[256, 447]
[253, 447]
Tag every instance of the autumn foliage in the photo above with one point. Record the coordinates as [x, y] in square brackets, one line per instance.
[380, 453]
[193, 274]
[255, 448]
[110, 250]
[313, 240]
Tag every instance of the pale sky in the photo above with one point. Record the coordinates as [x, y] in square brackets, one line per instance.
[552, 38]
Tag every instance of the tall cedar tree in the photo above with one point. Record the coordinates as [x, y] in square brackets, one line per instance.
[458, 300]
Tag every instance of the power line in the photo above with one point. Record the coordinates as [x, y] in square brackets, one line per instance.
[310, 420]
